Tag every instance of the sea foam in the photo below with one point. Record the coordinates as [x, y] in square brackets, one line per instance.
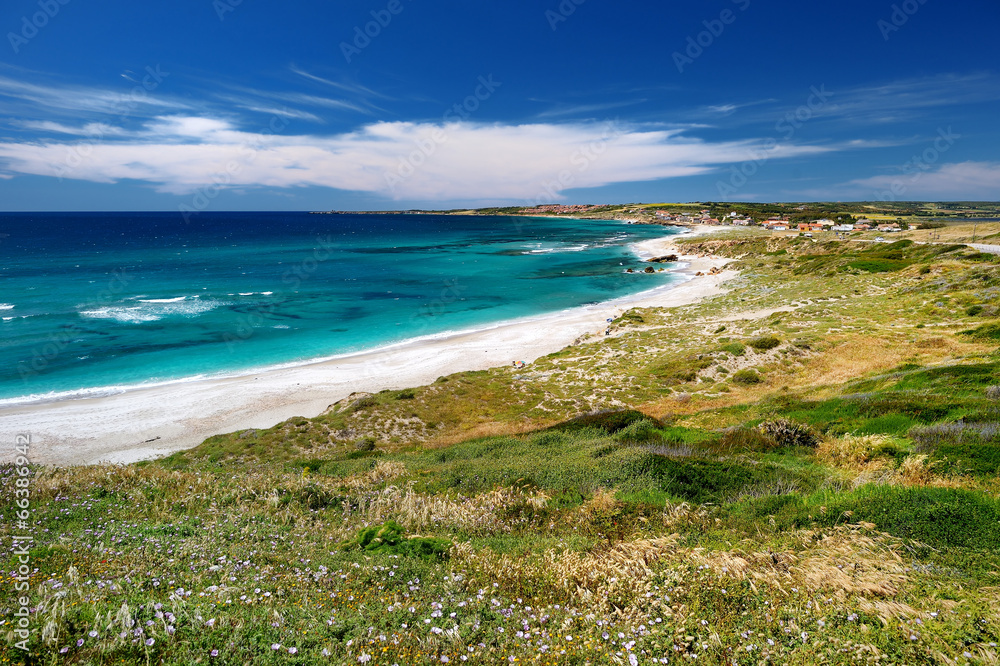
[153, 310]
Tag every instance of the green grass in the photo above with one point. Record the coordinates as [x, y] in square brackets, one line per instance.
[989, 331]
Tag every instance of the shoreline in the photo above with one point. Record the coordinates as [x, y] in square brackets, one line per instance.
[132, 425]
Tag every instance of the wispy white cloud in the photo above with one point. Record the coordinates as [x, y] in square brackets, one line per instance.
[562, 110]
[68, 100]
[908, 99]
[959, 180]
[419, 161]
[351, 88]
[252, 99]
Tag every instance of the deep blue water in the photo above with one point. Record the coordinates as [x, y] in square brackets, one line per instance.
[113, 299]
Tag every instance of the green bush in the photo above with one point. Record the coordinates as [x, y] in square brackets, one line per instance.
[935, 516]
[642, 430]
[878, 265]
[389, 538]
[764, 343]
[608, 421]
[980, 460]
[985, 332]
[746, 377]
[974, 310]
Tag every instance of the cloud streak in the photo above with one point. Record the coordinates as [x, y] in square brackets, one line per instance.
[180, 154]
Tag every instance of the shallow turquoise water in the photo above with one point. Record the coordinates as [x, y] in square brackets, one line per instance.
[99, 300]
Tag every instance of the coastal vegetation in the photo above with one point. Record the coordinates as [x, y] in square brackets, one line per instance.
[803, 470]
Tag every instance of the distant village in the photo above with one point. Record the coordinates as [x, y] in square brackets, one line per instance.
[734, 219]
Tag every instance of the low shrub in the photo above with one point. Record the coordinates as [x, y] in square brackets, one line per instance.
[935, 516]
[989, 332]
[764, 343]
[365, 444]
[609, 421]
[878, 265]
[788, 433]
[734, 348]
[642, 430]
[364, 403]
[746, 377]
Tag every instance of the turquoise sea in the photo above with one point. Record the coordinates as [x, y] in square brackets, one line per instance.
[94, 302]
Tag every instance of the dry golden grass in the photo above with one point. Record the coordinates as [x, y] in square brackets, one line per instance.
[481, 514]
[853, 357]
[854, 453]
[488, 429]
[601, 580]
[959, 233]
[383, 471]
[846, 560]
[915, 470]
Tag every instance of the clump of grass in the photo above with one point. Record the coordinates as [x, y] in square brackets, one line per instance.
[789, 434]
[857, 452]
[743, 438]
[764, 343]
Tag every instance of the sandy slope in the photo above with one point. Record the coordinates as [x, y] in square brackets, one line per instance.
[146, 423]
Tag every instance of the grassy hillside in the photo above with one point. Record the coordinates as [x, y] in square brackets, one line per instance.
[805, 470]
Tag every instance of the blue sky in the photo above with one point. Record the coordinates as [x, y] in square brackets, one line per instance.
[200, 105]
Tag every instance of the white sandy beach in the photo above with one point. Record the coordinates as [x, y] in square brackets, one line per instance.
[150, 422]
